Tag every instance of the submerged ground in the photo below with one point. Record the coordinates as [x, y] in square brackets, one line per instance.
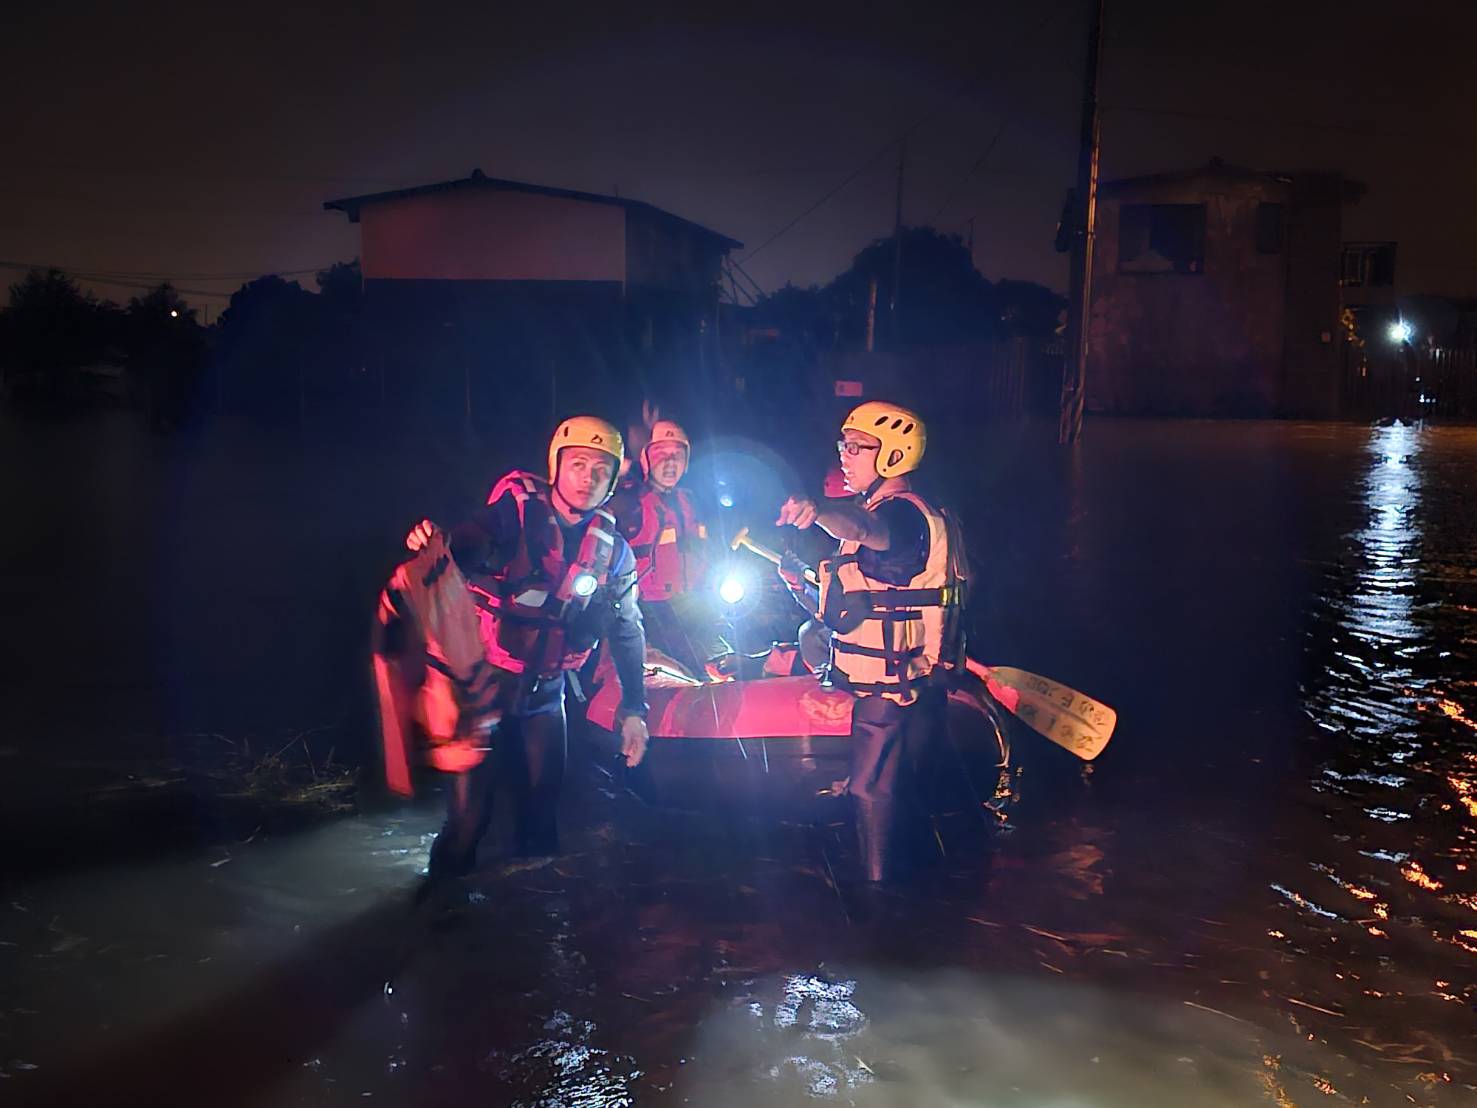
[1264, 892]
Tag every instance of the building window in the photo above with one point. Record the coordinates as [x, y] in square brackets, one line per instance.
[1161, 238]
[1271, 228]
[1367, 265]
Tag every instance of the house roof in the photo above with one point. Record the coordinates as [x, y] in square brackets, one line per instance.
[1213, 168]
[351, 205]
[1347, 189]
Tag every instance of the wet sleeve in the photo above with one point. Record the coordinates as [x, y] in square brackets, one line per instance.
[489, 529]
[628, 633]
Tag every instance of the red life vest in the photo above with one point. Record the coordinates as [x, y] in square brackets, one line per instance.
[431, 674]
[670, 545]
[534, 609]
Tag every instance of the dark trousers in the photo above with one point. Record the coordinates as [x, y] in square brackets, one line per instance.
[891, 748]
[529, 753]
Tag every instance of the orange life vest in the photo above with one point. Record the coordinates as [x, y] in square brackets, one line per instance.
[890, 637]
[432, 680]
[670, 545]
[534, 613]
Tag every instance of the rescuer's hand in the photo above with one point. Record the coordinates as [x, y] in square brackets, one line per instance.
[458, 756]
[798, 511]
[634, 738]
[792, 570]
[419, 535]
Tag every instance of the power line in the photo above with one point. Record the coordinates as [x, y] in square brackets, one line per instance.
[106, 203]
[973, 169]
[211, 175]
[758, 290]
[171, 277]
[144, 281]
[927, 117]
[850, 177]
[148, 287]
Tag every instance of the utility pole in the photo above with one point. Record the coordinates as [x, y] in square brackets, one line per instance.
[897, 250]
[1074, 370]
[872, 314]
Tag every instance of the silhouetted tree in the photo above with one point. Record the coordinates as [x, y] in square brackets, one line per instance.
[944, 300]
[266, 344]
[342, 287]
[340, 379]
[166, 355]
[52, 329]
[1026, 308]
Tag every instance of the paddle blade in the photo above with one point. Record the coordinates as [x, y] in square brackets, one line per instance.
[1073, 720]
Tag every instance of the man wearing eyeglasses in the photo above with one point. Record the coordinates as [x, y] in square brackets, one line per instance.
[891, 596]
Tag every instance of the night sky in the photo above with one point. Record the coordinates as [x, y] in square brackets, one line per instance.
[198, 143]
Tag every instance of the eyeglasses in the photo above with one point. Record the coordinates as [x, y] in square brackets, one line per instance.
[852, 449]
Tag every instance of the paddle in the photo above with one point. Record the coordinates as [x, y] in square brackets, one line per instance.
[742, 539]
[1071, 719]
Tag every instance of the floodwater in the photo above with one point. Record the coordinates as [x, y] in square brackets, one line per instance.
[1264, 892]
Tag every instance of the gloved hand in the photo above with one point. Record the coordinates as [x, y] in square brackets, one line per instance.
[792, 570]
[419, 536]
[722, 667]
[634, 738]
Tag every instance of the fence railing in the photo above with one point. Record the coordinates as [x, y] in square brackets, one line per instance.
[1412, 382]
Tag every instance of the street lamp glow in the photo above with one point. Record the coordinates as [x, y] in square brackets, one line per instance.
[1400, 331]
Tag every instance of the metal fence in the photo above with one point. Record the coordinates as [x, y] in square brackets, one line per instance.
[1412, 382]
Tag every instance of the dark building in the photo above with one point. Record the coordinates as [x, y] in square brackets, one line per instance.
[1216, 292]
[504, 305]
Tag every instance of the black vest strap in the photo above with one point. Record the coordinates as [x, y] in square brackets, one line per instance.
[844, 647]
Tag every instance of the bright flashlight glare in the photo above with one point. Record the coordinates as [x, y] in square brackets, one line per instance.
[725, 501]
[1400, 331]
[732, 590]
[173, 313]
[584, 584]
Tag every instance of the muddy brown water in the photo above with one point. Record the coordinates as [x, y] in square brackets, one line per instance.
[1263, 893]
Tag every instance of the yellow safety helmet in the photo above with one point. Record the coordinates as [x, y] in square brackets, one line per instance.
[664, 430]
[900, 431]
[591, 431]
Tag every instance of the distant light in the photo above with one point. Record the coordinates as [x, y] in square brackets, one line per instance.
[725, 501]
[584, 584]
[173, 313]
[1400, 331]
[732, 590]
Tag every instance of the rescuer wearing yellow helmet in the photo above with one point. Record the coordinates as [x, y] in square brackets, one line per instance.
[891, 596]
[551, 576]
